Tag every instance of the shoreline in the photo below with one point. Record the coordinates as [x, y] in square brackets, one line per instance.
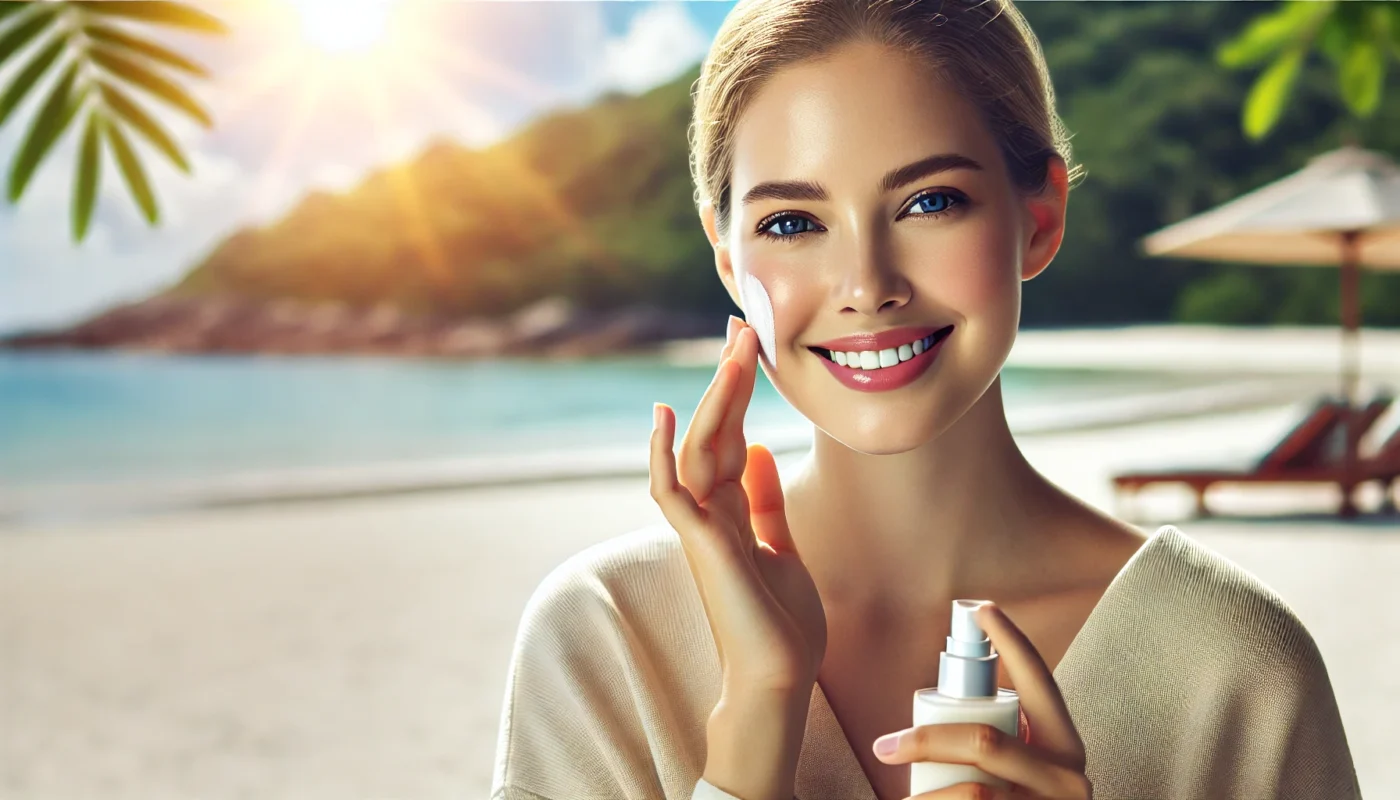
[1258, 368]
[65, 502]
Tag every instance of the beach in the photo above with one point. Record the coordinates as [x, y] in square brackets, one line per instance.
[356, 647]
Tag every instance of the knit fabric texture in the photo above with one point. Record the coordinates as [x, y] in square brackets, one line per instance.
[1190, 679]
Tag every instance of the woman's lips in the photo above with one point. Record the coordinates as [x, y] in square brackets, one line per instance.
[888, 378]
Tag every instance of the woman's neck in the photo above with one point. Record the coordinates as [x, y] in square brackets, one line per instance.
[963, 516]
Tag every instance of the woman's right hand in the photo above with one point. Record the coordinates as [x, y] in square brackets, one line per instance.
[726, 502]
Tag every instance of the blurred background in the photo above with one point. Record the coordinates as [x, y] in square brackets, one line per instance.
[327, 329]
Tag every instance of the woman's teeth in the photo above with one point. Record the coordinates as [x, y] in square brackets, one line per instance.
[879, 359]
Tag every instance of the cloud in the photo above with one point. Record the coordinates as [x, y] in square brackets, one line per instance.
[663, 41]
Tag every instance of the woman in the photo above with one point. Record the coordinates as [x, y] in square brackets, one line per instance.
[878, 179]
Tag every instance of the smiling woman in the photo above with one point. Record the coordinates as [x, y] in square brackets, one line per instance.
[892, 172]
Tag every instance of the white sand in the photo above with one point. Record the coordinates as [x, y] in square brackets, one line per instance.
[357, 648]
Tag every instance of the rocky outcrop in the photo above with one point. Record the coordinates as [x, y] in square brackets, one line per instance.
[227, 324]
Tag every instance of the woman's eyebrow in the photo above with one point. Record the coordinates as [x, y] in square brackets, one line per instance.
[895, 178]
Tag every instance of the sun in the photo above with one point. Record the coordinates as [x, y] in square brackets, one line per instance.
[343, 27]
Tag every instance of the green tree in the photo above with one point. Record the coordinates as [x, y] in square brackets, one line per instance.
[1358, 38]
[98, 60]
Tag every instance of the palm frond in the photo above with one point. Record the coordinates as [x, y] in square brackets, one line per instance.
[133, 172]
[29, 76]
[86, 177]
[53, 117]
[177, 15]
[139, 75]
[23, 32]
[122, 40]
[135, 116]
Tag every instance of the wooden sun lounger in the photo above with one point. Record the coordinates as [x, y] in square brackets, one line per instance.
[1307, 454]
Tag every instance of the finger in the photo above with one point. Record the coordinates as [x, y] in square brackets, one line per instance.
[677, 505]
[696, 459]
[675, 501]
[733, 327]
[1040, 696]
[767, 512]
[989, 749]
[729, 439]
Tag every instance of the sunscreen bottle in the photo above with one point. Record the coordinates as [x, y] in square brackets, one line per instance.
[966, 692]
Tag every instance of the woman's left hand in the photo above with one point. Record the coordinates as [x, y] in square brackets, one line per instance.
[1051, 765]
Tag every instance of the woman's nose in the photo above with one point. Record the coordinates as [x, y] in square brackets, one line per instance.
[870, 280]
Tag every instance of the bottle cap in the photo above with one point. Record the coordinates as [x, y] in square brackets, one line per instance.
[968, 667]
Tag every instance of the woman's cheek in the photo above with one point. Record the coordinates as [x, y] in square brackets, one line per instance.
[976, 282]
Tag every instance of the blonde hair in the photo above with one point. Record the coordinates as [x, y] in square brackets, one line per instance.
[983, 48]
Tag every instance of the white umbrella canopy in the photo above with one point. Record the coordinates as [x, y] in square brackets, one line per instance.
[1300, 219]
[1342, 209]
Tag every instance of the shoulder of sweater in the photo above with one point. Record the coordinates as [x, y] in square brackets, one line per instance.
[605, 581]
[1220, 605]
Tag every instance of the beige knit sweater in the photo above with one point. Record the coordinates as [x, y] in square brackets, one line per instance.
[1190, 679]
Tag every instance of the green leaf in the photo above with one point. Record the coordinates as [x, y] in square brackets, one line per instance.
[177, 15]
[86, 177]
[1334, 40]
[133, 172]
[1362, 78]
[6, 9]
[1269, 94]
[1392, 10]
[22, 33]
[30, 75]
[151, 50]
[139, 74]
[134, 115]
[53, 117]
[1293, 24]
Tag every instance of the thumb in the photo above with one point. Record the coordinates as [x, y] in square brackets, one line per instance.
[765, 493]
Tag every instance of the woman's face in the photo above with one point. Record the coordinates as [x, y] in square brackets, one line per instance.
[871, 200]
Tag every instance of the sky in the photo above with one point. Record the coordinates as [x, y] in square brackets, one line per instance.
[314, 94]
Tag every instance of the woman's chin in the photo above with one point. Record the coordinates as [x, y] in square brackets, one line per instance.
[879, 437]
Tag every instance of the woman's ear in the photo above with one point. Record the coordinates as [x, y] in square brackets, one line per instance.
[723, 264]
[1047, 217]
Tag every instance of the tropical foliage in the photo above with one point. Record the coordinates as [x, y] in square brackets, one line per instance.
[97, 57]
[1358, 38]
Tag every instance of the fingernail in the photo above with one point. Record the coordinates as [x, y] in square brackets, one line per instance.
[887, 744]
[656, 415]
[733, 326]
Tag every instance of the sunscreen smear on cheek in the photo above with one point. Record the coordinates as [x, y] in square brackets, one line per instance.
[758, 312]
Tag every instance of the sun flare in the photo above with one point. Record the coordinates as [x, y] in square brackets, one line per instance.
[343, 27]
[336, 79]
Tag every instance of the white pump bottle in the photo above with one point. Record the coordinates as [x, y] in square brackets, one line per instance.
[966, 692]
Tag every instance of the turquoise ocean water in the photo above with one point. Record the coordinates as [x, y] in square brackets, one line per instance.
[92, 418]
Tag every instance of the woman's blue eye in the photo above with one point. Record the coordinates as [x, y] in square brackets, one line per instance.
[932, 203]
[789, 225]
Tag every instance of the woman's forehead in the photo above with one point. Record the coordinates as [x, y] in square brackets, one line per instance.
[846, 120]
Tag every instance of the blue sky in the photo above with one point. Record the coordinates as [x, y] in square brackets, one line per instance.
[473, 72]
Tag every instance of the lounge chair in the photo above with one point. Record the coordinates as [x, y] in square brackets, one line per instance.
[1312, 452]
[1382, 463]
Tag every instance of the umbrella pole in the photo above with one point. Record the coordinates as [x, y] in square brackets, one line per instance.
[1351, 323]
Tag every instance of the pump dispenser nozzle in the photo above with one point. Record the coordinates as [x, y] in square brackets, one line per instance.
[968, 667]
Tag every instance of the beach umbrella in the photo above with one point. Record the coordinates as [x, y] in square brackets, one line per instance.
[1342, 209]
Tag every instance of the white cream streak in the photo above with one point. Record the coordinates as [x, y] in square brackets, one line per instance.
[758, 311]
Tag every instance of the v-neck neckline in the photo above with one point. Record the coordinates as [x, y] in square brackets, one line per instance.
[830, 767]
